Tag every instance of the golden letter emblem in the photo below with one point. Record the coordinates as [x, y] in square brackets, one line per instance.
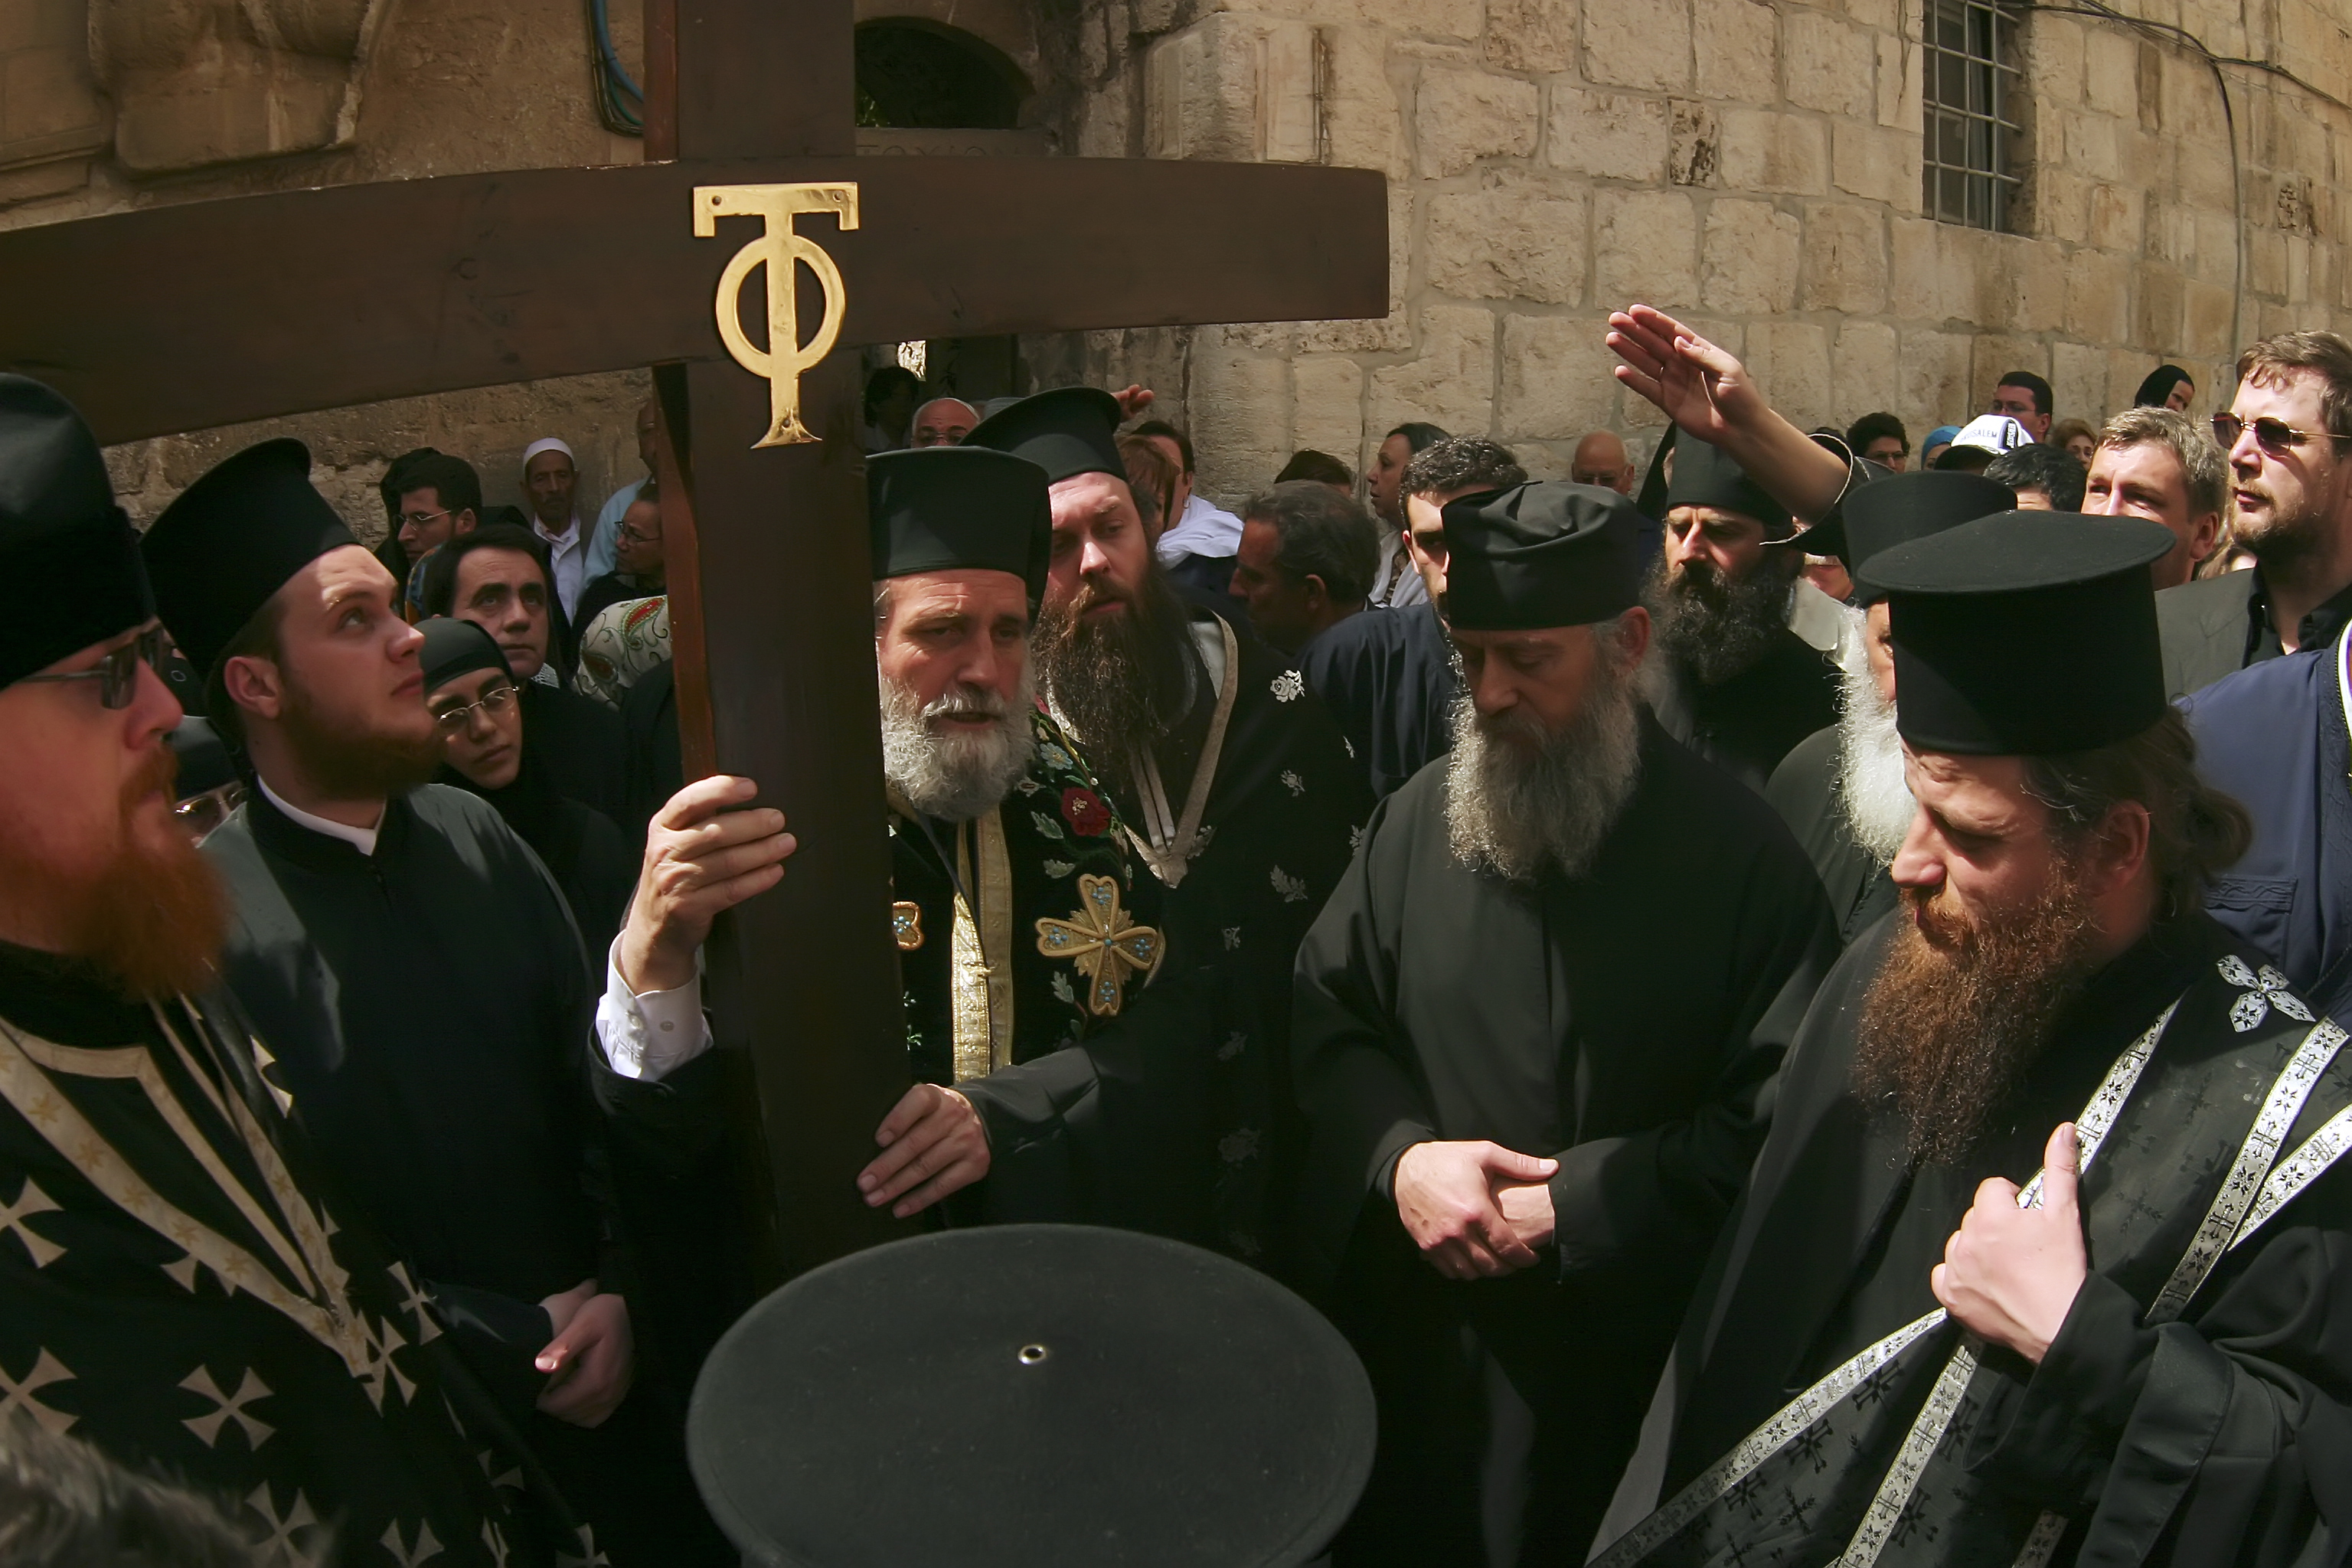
[776, 249]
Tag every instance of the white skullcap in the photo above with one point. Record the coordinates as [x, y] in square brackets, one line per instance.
[547, 444]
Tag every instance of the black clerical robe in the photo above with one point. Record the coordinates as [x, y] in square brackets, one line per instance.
[1275, 831]
[581, 744]
[429, 1007]
[1745, 724]
[594, 865]
[1628, 1022]
[2191, 1409]
[177, 1288]
[1387, 677]
[1804, 789]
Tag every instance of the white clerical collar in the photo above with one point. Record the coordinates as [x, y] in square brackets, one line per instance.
[359, 838]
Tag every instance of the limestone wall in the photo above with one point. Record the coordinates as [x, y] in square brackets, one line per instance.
[1751, 165]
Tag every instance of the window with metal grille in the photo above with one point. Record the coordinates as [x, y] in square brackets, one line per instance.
[1971, 96]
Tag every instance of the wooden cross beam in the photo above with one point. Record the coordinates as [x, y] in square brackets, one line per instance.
[185, 316]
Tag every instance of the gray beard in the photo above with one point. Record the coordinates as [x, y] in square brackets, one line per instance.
[1712, 629]
[1519, 809]
[1872, 793]
[956, 777]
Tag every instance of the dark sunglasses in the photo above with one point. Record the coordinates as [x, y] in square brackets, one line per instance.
[2275, 436]
[117, 674]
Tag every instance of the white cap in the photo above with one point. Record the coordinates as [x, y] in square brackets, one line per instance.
[550, 444]
[1994, 433]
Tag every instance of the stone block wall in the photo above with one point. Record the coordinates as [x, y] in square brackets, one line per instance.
[1752, 166]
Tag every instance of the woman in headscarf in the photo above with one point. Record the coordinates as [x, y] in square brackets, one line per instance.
[2166, 386]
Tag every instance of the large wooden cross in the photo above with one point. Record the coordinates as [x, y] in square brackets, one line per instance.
[211, 312]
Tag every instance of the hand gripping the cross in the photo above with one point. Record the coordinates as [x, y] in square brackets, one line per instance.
[707, 850]
[1447, 1197]
[2011, 1274]
[933, 1143]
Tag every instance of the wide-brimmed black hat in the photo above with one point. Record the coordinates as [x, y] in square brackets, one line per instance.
[1896, 510]
[1705, 477]
[1068, 431]
[942, 509]
[68, 550]
[454, 648]
[2025, 633]
[232, 539]
[1546, 553]
[1026, 1395]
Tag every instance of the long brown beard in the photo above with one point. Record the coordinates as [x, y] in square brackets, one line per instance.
[1121, 684]
[342, 762]
[153, 918]
[1949, 1025]
[1716, 627]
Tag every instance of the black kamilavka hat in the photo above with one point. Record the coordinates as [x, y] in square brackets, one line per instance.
[1898, 509]
[1705, 477]
[2025, 633]
[454, 648]
[67, 548]
[1068, 431]
[1023, 1394]
[941, 509]
[232, 539]
[1546, 553]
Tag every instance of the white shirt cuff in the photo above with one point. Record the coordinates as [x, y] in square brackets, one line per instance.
[649, 1036]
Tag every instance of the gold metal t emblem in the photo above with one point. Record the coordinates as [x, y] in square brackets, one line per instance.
[776, 249]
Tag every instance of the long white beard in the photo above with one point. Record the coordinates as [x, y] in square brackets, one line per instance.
[1519, 810]
[959, 775]
[1871, 792]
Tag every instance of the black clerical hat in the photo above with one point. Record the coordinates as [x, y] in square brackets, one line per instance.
[204, 763]
[2025, 633]
[65, 549]
[454, 648]
[1705, 477]
[1548, 553]
[1898, 509]
[1029, 1394]
[939, 509]
[232, 539]
[1068, 431]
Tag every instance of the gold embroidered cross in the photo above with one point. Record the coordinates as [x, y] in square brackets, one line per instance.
[1104, 944]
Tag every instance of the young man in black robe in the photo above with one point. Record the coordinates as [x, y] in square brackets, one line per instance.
[176, 1284]
[1902, 1356]
[1229, 778]
[419, 978]
[1537, 1027]
[1389, 679]
[1841, 789]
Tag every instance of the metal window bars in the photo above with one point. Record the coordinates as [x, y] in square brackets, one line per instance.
[1970, 96]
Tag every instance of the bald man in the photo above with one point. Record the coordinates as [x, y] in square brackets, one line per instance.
[943, 422]
[1602, 459]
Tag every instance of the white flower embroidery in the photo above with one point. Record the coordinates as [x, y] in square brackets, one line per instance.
[1059, 867]
[2264, 991]
[1055, 757]
[1292, 888]
[1355, 839]
[1234, 1148]
[1293, 783]
[1235, 1042]
[1232, 938]
[1288, 686]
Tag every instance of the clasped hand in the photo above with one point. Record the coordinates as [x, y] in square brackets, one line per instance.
[1476, 1210]
[591, 1360]
[2012, 1275]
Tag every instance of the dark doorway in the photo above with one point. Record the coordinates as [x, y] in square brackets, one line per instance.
[916, 73]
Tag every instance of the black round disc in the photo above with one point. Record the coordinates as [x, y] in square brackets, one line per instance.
[1031, 1395]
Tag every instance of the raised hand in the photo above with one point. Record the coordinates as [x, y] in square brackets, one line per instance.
[1445, 1195]
[1701, 387]
[703, 856]
[2011, 1274]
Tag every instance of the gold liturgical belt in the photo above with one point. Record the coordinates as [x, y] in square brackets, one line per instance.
[979, 961]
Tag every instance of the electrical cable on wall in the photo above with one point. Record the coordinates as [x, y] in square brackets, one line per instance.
[620, 102]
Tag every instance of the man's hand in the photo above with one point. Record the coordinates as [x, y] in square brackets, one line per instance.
[1445, 1196]
[1132, 400]
[591, 1360]
[1699, 386]
[1527, 1208]
[2009, 1274]
[933, 1143]
[703, 856]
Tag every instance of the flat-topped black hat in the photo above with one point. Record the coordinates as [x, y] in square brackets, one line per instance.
[232, 539]
[1898, 509]
[1546, 553]
[1025, 1394]
[2025, 633]
[1068, 431]
[1705, 477]
[454, 648]
[942, 509]
[69, 549]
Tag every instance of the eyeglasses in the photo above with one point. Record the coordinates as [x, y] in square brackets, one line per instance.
[634, 536]
[200, 814]
[495, 701]
[2275, 436]
[117, 673]
[420, 519]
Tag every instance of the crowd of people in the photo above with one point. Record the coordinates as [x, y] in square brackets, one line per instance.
[1651, 956]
